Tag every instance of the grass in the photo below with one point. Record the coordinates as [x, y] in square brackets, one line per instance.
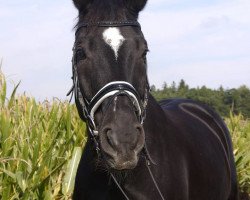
[41, 144]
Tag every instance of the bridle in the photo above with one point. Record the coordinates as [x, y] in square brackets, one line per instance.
[87, 108]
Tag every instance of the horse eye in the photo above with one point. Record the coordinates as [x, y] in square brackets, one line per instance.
[145, 53]
[80, 55]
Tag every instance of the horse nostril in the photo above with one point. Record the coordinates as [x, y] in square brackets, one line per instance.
[139, 130]
[139, 142]
[110, 137]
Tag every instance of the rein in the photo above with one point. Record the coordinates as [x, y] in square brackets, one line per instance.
[110, 90]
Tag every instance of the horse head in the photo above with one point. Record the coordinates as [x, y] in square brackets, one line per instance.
[110, 78]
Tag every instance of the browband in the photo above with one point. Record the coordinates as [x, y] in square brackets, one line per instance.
[107, 24]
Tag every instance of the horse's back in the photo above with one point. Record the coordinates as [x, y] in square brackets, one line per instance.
[201, 113]
[206, 135]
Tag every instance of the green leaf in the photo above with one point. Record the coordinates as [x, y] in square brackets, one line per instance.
[12, 98]
[69, 179]
[9, 173]
[48, 195]
[3, 88]
[21, 181]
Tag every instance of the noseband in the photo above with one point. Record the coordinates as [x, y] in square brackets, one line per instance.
[87, 108]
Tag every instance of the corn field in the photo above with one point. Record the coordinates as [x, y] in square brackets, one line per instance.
[41, 144]
[240, 132]
[37, 140]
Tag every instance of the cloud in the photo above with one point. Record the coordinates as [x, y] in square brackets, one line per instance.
[210, 73]
[36, 46]
[198, 40]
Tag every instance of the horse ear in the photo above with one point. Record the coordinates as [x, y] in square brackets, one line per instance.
[81, 4]
[136, 5]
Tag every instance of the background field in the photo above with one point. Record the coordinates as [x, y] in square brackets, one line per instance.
[41, 143]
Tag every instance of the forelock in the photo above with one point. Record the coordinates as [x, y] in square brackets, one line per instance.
[106, 10]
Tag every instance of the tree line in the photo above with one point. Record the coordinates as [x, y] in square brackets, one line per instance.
[222, 100]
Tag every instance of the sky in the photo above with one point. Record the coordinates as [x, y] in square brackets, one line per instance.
[204, 42]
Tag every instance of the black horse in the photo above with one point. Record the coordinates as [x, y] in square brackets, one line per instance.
[137, 148]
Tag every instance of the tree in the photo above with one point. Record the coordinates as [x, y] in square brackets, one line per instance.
[182, 89]
[237, 100]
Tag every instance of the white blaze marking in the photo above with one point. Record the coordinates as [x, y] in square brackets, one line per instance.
[113, 37]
